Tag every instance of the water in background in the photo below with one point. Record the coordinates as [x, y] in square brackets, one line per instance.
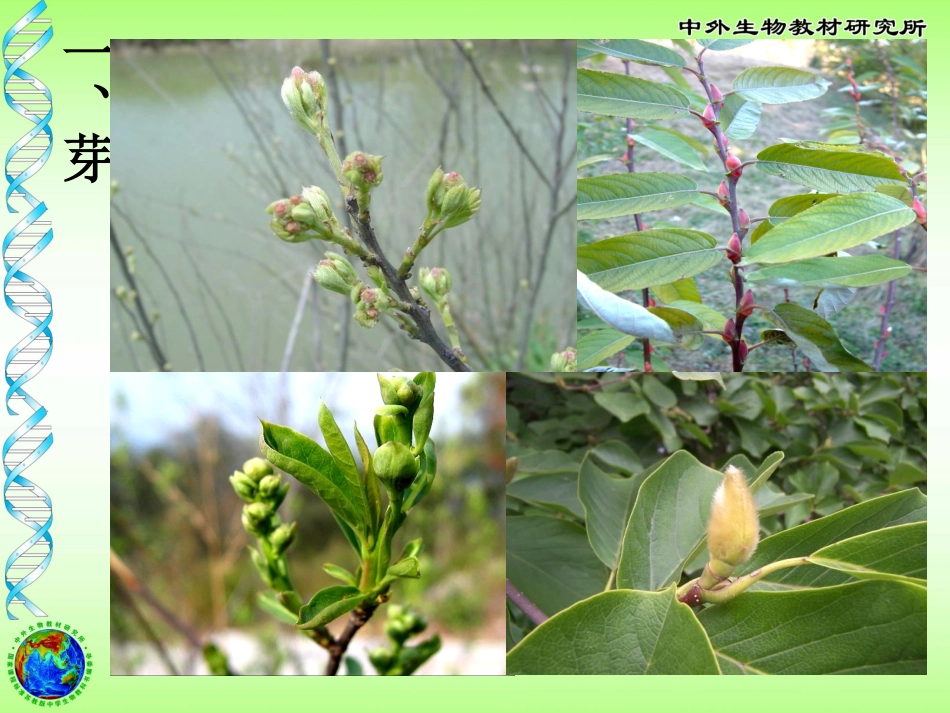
[196, 172]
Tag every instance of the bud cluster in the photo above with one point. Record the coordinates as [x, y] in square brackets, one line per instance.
[436, 282]
[449, 200]
[262, 491]
[396, 461]
[564, 361]
[336, 273]
[399, 659]
[305, 95]
[305, 217]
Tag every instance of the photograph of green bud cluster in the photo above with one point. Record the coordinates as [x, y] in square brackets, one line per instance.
[342, 205]
[719, 524]
[241, 545]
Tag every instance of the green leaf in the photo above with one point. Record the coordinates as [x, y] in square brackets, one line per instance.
[700, 376]
[276, 609]
[555, 490]
[723, 45]
[778, 85]
[551, 561]
[836, 224]
[370, 482]
[423, 482]
[710, 318]
[701, 148]
[338, 447]
[898, 553]
[620, 194]
[353, 667]
[535, 462]
[594, 347]
[686, 326]
[793, 205]
[591, 160]
[832, 300]
[815, 338]
[635, 51]
[907, 474]
[709, 203]
[770, 500]
[407, 568]
[679, 290]
[833, 271]
[647, 258]
[670, 146]
[617, 457]
[618, 632]
[328, 604]
[625, 405]
[338, 572]
[305, 460]
[422, 422]
[829, 171]
[412, 657]
[873, 627]
[629, 97]
[607, 501]
[425, 379]
[668, 523]
[739, 118]
[620, 314]
[886, 511]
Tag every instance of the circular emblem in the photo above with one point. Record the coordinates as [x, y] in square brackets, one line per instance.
[49, 664]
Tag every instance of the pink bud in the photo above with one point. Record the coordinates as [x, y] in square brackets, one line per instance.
[709, 117]
[743, 219]
[848, 61]
[280, 209]
[729, 330]
[875, 344]
[723, 193]
[368, 296]
[733, 163]
[570, 354]
[743, 351]
[746, 303]
[725, 141]
[292, 227]
[716, 94]
[734, 248]
[857, 97]
[372, 313]
[919, 209]
[647, 367]
[295, 200]
[298, 74]
[630, 141]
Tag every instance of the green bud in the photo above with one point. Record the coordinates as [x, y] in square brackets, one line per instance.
[436, 282]
[564, 361]
[256, 519]
[366, 316]
[395, 465]
[376, 275]
[326, 225]
[469, 207]
[363, 170]
[332, 274]
[257, 468]
[243, 486]
[305, 95]
[399, 391]
[454, 198]
[392, 423]
[396, 630]
[283, 537]
[381, 658]
[415, 622]
[269, 486]
[432, 204]
[304, 215]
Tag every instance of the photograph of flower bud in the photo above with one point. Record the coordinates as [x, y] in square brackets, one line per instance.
[752, 205]
[312, 205]
[706, 523]
[307, 524]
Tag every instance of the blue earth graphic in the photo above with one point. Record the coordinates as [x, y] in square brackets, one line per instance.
[49, 664]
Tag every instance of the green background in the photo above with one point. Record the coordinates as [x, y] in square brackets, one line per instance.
[74, 386]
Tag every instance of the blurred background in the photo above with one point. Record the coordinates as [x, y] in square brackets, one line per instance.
[892, 77]
[203, 143]
[182, 576]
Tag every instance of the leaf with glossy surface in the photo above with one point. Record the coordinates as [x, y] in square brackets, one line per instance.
[625, 405]
[620, 314]
[620, 194]
[778, 85]
[328, 604]
[679, 290]
[739, 118]
[554, 490]
[872, 627]
[607, 501]
[629, 97]
[670, 146]
[886, 511]
[898, 553]
[723, 45]
[309, 463]
[635, 51]
[712, 319]
[551, 561]
[815, 338]
[861, 271]
[685, 326]
[594, 347]
[828, 171]
[591, 160]
[647, 258]
[619, 632]
[836, 224]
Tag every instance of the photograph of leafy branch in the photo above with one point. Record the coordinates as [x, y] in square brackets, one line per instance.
[346, 205]
[241, 545]
[705, 523]
[752, 204]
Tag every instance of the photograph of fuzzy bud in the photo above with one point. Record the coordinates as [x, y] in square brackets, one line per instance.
[706, 523]
[348, 205]
[307, 524]
[752, 205]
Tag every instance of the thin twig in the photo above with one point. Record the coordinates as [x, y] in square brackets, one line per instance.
[529, 608]
[298, 318]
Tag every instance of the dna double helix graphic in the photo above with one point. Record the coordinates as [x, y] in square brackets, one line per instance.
[29, 300]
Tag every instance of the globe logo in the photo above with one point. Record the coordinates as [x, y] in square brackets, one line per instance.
[49, 664]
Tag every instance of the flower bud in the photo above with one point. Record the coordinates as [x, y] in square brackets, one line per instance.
[723, 193]
[366, 316]
[716, 94]
[743, 351]
[450, 199]
[732, 532]
[919, 209]
[393, 423]
[630, 140]
[283, 537]
[733, 163]
[256, 468]
[243, 486]
[336, 273]
[725, 142]
[305, 96]
[269, 486]
[381, 658]
[433, 199]
[363, 170]
[647, 367]
[436, 282]
[256, 519]
[745, 304]
[734, 248]
[709, 117]
[729, 330]
[323, 221]
[743, 219]
[400, 391]
[395, 465]
[564, 361]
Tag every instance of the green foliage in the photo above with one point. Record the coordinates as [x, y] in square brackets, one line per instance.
[613, 486]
